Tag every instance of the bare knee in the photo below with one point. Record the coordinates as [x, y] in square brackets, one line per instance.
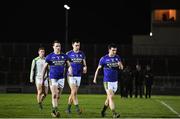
[54, 96]
[73, 93]
[110, 97]
[39, 92]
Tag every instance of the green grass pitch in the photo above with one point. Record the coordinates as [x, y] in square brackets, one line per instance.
[25, 106]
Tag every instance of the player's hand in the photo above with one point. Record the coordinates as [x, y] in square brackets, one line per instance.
[31, 81]
[94, 81]
[85, 69]
[70, 71]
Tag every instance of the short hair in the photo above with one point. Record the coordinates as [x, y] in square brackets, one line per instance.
[41, 48]
[75, 41]
[56, 41]
[112, 45]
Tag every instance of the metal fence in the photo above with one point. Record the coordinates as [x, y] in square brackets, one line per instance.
[15, 62]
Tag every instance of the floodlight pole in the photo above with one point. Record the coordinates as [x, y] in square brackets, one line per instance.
[66, 26]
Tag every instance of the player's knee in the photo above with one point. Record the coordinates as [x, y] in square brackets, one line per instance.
[39, 92]
[110, 97]
[73, 92]
[54, 96]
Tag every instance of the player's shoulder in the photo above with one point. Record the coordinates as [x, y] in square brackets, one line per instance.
[36, 58]
[69, 52]
[50, 55]
[104, 57]
[81, 52]
[117, 56]
[64, 55]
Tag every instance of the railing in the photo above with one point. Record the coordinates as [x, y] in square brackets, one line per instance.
[16, 60]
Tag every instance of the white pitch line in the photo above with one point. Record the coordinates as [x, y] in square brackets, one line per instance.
[169, 107]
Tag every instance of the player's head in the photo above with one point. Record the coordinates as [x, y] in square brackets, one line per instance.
[41, 51]
[76, 44]
[112, 48]
[57, 46]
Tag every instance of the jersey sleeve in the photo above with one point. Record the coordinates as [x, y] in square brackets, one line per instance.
[119, 58]
[67, 57]
[101, 61]
[32, 73]
[83, 55]
[47, 59]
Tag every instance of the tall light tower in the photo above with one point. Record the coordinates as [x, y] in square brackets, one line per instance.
[66, 26]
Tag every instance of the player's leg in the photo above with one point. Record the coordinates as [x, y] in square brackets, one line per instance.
[76, 87]
[44, 90]
[74, 83]
[110, 95]
[112, 88]
[54, 93]
[58, 98]
[70, 99]
[58, 90]
[39, 93]
[106, 104]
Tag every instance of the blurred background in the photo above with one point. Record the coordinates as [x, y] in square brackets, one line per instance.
[146, 32]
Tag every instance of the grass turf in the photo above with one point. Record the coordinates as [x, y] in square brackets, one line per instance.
[25, 106]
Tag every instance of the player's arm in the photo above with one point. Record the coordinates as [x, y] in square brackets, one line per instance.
[44, 70]
[69, 67]
[32, 73]
[84, 66]
[96, 73]
[120, 65]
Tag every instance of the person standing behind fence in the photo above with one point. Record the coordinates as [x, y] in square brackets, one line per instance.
[36, 74]
[128, 77]
[111, 64]
[138, 75]
[78, 64]
[148, 76]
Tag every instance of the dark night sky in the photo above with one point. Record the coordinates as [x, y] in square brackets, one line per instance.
[91, 22]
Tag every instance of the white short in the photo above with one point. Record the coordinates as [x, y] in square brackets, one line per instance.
[111, 86]
[40, 81]
[75, 80]
[57, 82]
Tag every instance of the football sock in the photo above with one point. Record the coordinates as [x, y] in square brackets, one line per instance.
[104, 108]
[69, 107]
[77, 108]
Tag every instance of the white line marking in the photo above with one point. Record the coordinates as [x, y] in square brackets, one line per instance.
[169, 107]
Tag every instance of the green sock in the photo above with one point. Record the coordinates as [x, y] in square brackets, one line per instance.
[69, 107]
[54, 109]
[77, 107]
[104, 108]
[113, 111]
